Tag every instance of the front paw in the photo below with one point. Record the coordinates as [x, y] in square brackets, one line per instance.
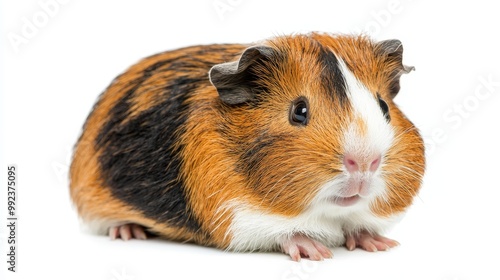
[369, 242]
[299, 246]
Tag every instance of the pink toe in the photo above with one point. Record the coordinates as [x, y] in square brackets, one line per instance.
[368, 246]
[307, 248]
[294, 253]
[315, 256]
[113, 232]
[138, 232]
[323, 250]
[389, 242]
[125, 232]
[350, 243]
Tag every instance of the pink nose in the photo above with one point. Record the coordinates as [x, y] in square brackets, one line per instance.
[353, 163]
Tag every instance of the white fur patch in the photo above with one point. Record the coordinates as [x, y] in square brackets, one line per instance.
[380, 133]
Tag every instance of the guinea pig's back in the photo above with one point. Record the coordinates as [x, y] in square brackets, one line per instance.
[126, 163]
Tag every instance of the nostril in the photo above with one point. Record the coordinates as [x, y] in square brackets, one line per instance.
[375, 163]
[351, 164]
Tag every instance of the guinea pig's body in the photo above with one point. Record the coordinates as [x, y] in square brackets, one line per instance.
[294, 144]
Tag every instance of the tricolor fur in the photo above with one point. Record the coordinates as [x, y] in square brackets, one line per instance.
[197, 144]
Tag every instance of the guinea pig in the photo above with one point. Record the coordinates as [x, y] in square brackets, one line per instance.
[293, 144]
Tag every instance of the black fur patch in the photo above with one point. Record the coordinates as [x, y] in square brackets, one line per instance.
[139, 162]
[255, 151]
[332, 78]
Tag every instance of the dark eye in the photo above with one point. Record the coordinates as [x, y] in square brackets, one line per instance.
[385, 108]
[299, 112]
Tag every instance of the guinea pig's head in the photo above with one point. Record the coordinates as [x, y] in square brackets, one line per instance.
[310, 121]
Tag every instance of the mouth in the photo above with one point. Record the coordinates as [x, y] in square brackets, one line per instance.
[345, 201]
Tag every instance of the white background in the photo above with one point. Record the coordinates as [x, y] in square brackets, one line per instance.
[51, 77]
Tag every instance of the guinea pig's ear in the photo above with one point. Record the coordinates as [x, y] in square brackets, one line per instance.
[233, 80]
[393, 51]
